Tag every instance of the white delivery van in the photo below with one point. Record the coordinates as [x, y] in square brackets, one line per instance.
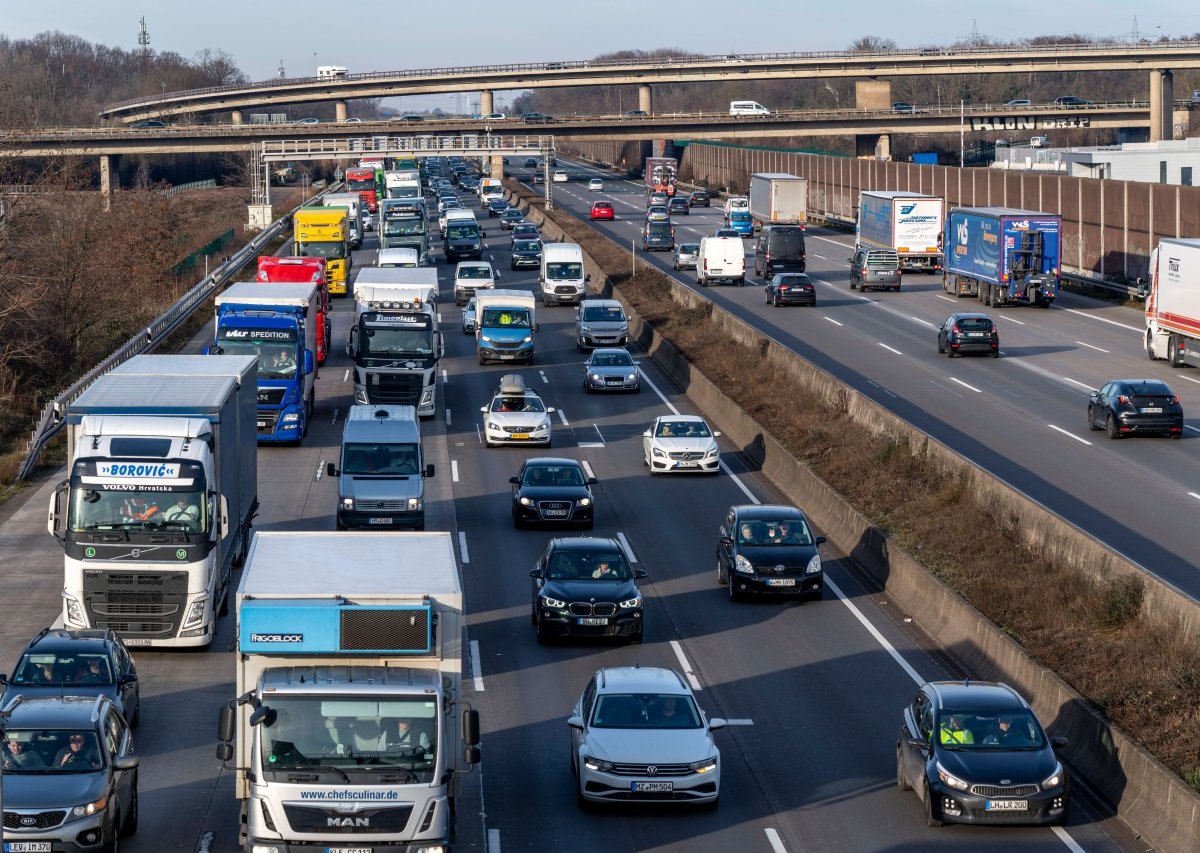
[721, 259]
[454, 214]
[562, 277]
[747, 108]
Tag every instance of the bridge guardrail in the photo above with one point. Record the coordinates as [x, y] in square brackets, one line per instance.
[53, 416]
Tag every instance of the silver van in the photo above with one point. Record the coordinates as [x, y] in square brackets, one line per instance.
[875, 269]
[381, 482]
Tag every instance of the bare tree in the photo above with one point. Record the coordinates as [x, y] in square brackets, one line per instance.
[872, 44]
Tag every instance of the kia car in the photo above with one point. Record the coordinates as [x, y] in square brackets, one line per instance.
[611, 369]
[681, 443]
[585, 587]
[790, 288]
[552, 491]
[767, 549]
[603, 210]
[1135, 406]
[964, 333]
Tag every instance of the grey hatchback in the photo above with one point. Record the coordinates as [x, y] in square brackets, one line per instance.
[686, 255]
[875, 269]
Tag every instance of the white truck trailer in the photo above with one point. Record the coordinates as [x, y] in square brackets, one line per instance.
[1173, 304]
[908, 223]
[777, 198]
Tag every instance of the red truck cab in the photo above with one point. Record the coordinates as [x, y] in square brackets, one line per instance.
[303, 270]
[361, 180]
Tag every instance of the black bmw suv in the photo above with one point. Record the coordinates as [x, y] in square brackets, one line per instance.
[585, 588]
[553, 491]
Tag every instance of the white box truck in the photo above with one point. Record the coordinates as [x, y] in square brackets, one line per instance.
[349, 717]
[908, 223]
[777, 198]
[162, 487]
[562, 278]
[1173, 303]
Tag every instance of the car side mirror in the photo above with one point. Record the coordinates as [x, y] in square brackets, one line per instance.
[535, 573]
[3, 678]
[1059, 742]
[918, 743]
[726, 540]
[849, 260]
[483, 409]
[497, 275]
[591, 481]
[640, 573]
[717, 723]
[550, 410]
[331, 470]
[575, 723]
[127, 678]
[717, 434]
[516, 481]
[537, 327]
[821, 540]
[429, 470]
[646, 434]
[126, 762]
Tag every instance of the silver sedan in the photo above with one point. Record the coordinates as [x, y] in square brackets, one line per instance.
[611, 369]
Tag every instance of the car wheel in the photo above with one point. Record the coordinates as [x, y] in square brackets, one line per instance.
[585, 805]
[721, 579]
[901, 779]
[853, 286]
[635, 639]
[129, 827]
[931, 813]
[482, 360]
[734, 595]
[996, 354]
[949, 350]
[1092, 420]
[775, 301]
[1111, 425]
[114, 846]
[516, 517]
[941, 349]
[1173, 357]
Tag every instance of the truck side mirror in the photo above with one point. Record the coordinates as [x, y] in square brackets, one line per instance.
[308, 362]
[223, 519]
[224, 751]
[263, 715]
[470, 727]
[537, 327]
[441, 345]
[331, 470]
[226, 724]
[429, 469]
[352, 343]
[53, 516]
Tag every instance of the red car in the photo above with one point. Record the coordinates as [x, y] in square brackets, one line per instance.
[603, 210]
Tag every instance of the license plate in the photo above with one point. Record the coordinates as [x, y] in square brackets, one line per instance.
[26, 846]
[554, 512]
[349, 850]
[380, 520]
[687, 464]
[975, 334]
[519, 435]
[781, 581]
[507, 357]
[593, 620]
[651, 787]
[261, 425]
[136, 642]
[1007, 806]
[1153, 410]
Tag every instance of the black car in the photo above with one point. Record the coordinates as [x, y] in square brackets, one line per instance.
[658, 237]
[526, 253]
[585, 587]
[149, 123]
[790, 288]
[511, 217]
[553, 491]
[764, 548]
[976, 753]
[89, 662]
[699, 199]
[496, 206]
[1126, 406]
[678, 204]
[532, 118]
[531, 162]
[960, 333]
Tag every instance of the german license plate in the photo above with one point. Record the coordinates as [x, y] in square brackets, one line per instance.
[519, 435]
[688, 464]
[1007, 806]
[135, 641]
[380, 520]
[1152, 410]
[555, 513]
[349, 850]
[651, 787]
[26, 846]
[975, 334]
[593, 621]
[781, 581]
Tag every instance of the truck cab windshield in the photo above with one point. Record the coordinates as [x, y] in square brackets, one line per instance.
[389, 342]
[504, 318]
[94, 508]
[561, 272]
[461, 232]
[403, 227]
[361, 184]
[329, 249]
[404, 192]
[360, 458]
[276, 360]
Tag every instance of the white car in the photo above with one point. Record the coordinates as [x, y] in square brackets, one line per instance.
[493, 117]
[516, 415]
[736, 202]
[560, 177]
[596, 185]
[469, 317]
[681, 443]
[470, 277]
[637, 734]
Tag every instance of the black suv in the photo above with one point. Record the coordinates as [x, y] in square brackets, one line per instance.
[70, 774]
[551, 490]
[769, 549]
[699, 199]
[526, 253]
[585, 588]
[79, 663]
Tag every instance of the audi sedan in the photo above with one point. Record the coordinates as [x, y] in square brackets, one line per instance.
[790, 288]
[1129, 406]
[585, 587]
[975, 752]
[681, 443]
[611, 370]
[552, 491]
[769, 549]
[639, 736]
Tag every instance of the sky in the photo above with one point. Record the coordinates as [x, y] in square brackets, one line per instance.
[372, 36]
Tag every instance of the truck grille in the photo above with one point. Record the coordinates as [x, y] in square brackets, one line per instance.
[398, 388]
[33, 820]
[266, 422]
[586, 608]
[135, 603]
[332, 821]
[506, 345]
[271, 397]
[566, 290]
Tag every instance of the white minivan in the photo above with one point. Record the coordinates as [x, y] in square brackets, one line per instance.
[747, 108]
[562, 278]
[721, 259]
[454, 214]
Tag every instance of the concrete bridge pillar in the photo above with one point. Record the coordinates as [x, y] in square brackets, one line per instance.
[645, 101]
[110, 178]
[873, 95]
[1162, 103]
[486, 102]
[496, 167]
[340, 110]
[873, 146]
[235, 117]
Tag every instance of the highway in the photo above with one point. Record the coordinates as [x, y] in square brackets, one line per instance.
[1022, 417]
[816, 689]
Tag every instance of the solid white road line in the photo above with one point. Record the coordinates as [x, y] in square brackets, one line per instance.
[1091, 316]
[890, 349]
[463, 554]
[965, 385]
[1066, 839]
[493, 841]
[1194, 495]
[923, 322]
[831, 320]
[476, 666]
[774, 840]
[1190, 379]
[1011, 320]
[947, 298]
[587, 468]
[687, 667]
[874, 632]
[660, 394]
[1069, 435]
[1080, 384]
[628, 548]
[1191, 428]
[320, 470]
[562, 416]
[454, 470]
[346, 375]
[1089, 346]
[738, 481]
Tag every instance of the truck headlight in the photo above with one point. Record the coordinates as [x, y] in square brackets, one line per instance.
[291, 418]
[631, 603]
[741, 564]
[195, 614]
[360, 395]
[814, 565]
[427, 397]
[553, 603]
[347, 503]
[528, 339]
[90, 808]
[414, 503]
[949, 779]
[74, 613]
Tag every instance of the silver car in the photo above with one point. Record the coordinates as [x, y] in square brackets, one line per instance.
[469, 317]
[600, 323]
[611, 370]
[658, 213]
[686, 255]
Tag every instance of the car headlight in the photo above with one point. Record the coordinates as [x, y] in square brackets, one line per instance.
[524, 501]
[596, 377]
[656, 451]
[708, 765]
[543, 426]
[597, 764]
[712, 451]
[1055, 779]
[631, 603]
[631, 377]
[347, 503]
[583, 502]
[528, 339]
[741, 564]
[493, 425]
[585, 330]
[414, 503]
[485, 338]
[553, 603]
[195, 614]
[90, 808]
[814, 565]
[949, 779]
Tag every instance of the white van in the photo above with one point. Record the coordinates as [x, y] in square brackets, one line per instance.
[562, 277]
[331, 70]
[721, 259]
[454, 214]
[747, 108]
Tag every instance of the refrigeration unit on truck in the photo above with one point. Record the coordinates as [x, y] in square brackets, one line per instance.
[505, 323]
[299, 271]
[777, 198]
[395, 342]
[402, 224]
[1173, 304]
[660, 175]
[324, 232]
[1002, 256]
[351, 728]
[908, 223]
[162, 487]
[276, 323]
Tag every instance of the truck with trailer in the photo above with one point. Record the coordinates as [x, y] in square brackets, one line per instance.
[361, 179]
[908, 223]
[505, 323]
[395, 342]
[161, 491]
[352, 731]
[777, 198]
[300, 271]
[1173, 302]
[324, 232]
[276, 323]
[660, 174]
[404, 183]
[402, 224]
[1002, 256]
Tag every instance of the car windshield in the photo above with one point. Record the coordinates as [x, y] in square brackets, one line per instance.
[612, 359]
[602, 205]
[41, 751]
[683, 429]
[512, 214]
[785, 531]
[372, 458]
[579, 565]
[330, 250]
[462, 232]
[474, 272]
[60, 669]
[645, 711]
[553, 475]
[526, 246]
[971, 729]
[606, 314]
[564, 271]
[504, 318]
[518, 404]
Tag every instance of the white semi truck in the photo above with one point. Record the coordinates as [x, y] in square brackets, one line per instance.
[350, 723]
[162, 488]
[906, 222]
[1173, 304]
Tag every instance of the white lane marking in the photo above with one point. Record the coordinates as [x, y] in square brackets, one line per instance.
[965, 385]
[445, 378]
[1080, 384]
[874, 632]
[333, 420]
[831, 320]
[738, 481]
[587, 468]
[454, 470]
[1069, 435]
[1092, 316]
[1192, 428]
[562, 416]
[923, 322]
[476, 666]
[740, 722]
[1011, 320]
[542, 374]
[1190, 379]
[891, 349]
[449, 419]
[320, 470]
[1066, 839]
[822, 257]
[628, 548]
[687, 667]
[346, 375]
[493, 841]
[596, 427]
[660, 394]
[464, 554]
[590, 444]
[439, 316]
[774, 840]
[1089, 346]
[947, 298]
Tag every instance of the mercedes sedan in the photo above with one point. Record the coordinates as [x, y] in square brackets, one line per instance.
[681, 443]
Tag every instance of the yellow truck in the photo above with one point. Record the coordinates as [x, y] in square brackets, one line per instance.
[323, 232]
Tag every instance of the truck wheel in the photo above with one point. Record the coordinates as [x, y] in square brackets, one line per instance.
[1150, 345]
[1173, 356]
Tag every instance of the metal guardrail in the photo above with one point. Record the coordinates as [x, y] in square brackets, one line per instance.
[211, 183]
[53, 416]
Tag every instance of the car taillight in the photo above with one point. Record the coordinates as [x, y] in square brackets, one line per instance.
[1175, 398]
[954, 329]
[1125, 401]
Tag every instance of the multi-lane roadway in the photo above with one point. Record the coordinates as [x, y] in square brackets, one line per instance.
[814, 690]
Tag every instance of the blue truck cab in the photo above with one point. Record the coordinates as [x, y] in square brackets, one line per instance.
[741, 222]
[278, 324]
[1002, 256]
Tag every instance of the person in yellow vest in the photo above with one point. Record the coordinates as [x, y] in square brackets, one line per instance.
[953, 731]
